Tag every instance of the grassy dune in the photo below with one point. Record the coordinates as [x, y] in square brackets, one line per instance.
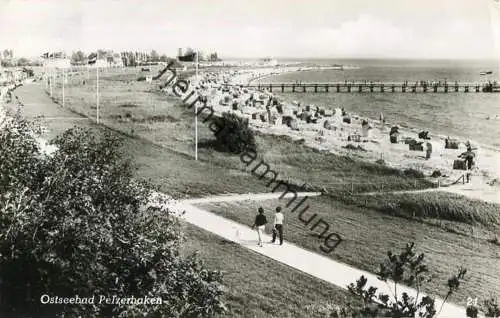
[434, 205]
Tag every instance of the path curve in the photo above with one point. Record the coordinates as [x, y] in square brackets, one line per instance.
[472, 191]
[247, 197]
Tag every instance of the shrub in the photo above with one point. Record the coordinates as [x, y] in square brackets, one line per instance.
[233, 133]
[352, 147]
[406, 268]
[410, 172]
[77, 223]
[472, 311]
[492, 308]
[436, 174]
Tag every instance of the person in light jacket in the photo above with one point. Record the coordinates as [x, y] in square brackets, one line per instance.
[278, 225]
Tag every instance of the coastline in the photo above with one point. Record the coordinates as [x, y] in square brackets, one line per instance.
[372, 147]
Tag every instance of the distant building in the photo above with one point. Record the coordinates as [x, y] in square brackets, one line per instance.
[57, 63]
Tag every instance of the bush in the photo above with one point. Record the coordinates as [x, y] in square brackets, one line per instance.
[405, 268]
[413, 173]
[492, 308]
[233, 133]
[436, 174]
[77, 223]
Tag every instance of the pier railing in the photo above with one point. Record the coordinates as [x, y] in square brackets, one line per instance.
[376, 87]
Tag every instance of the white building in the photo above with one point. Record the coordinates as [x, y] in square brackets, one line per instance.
[57, 63]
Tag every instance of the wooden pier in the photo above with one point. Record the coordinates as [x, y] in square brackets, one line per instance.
[376, 87]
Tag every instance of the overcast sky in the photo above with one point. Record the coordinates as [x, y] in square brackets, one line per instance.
[255, 28]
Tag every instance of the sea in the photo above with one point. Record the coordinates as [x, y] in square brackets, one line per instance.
[470, 116]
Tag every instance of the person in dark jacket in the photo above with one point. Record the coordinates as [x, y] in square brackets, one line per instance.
[469, 156]
[260, 223]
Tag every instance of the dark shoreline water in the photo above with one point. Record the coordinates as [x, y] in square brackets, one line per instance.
[456, 114]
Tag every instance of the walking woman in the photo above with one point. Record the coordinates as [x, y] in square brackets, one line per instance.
[260, 222]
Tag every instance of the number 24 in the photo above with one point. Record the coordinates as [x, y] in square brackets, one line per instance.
[471, 301]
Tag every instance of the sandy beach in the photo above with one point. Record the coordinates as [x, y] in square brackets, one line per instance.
[373, 143]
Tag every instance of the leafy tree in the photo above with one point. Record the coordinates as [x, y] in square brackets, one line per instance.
[102, 53]
[155, 57]
[8, 54]
[75, 222]
[233, 133]
[163, 58]
[131, 59]
[406, 268]
[78, 57]
[6, 63]
[23, 62]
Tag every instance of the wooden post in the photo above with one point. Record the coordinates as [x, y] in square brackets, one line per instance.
[360, 88]
[315, 88]
[393, 87]
[270, 87]
[304, 88]
[293, 88]
[338, 88]
[282, 88]
[349, 88]
[382, 88]
[326, 88]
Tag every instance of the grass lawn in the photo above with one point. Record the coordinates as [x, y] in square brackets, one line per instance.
[259, 286]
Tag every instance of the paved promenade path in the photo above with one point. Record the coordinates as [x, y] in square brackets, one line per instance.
[311, 263]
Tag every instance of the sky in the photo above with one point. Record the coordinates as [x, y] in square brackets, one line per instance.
[427, 29]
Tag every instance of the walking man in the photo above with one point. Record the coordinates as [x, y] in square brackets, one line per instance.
[278, 225]
[469, 156]
[260, 222]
